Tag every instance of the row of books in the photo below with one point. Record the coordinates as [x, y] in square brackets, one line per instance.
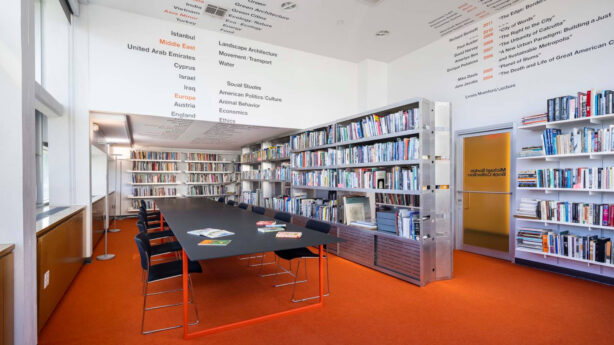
[584, 104]
[402, 149]
[375, 125]
[154, 178]
[251, 197]
[591, 248]
[136, 204]
[250, 157]
[154, 166]
[579, 140]
[154, 191]
[309, 159]
[210, 178]
[317, 208]
[251, 175]
[311, 139]
[198, 167]
[570, 212]
[279, 173]
[197, 156]
[401, 222]
[206, 190]
[531, 151]
[534, 119]
[279, 151]
[153, 155]
[318, 178]
[572, 178]
[398, 199]
[397, 178]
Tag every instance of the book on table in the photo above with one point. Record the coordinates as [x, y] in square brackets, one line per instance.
[214, 243]
[271, 229]
[288, 234]
[211, 233]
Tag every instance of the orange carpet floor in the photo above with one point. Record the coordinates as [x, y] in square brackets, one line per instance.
[489, 301]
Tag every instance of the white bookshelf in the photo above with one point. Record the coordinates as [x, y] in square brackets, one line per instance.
[565, 257]
[532, 133]
[431, 253]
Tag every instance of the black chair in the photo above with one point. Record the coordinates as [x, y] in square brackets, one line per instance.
[154, 235]
[149, 213]
[258, 210]
[159, 272]
[283, 216]
[221, 199]
[153, 221]
[148, 225]
[231, 203]
[302, 254]
[243, 205]
[159, 249]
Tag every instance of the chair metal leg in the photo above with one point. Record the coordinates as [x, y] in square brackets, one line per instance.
[261, 261]
[190, 291]
[327, 284]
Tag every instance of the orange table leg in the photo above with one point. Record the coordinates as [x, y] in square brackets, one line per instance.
[187, 335]
[184, 277]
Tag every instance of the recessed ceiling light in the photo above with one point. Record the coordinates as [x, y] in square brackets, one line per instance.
[288, 5]
[382, 33]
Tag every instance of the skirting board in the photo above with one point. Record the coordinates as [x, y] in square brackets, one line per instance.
[566, 271]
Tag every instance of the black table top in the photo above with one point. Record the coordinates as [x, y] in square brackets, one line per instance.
[185, 214]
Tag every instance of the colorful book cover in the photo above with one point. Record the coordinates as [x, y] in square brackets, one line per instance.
[289, 234]
[214, 243]
[211, 233]
[265, 222]
[271, 229]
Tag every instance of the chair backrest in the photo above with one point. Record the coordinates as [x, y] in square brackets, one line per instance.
[283, 216]
[243, 206]
[143, 205]
[257, 209]
[141, 227]
[318, 226]
[143, 219]
[230, 203]
[142, 243]
[221, 199]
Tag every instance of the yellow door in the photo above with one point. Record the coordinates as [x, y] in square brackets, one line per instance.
[486, 193]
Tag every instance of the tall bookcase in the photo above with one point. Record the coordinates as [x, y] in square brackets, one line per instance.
[531, 135]
[265, 171]
[322, 155]
[154, 174]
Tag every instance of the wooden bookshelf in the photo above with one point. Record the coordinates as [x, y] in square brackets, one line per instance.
[421, 260]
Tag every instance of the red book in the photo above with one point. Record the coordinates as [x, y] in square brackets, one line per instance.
[265, 222]
[588, 103]
[606, 215]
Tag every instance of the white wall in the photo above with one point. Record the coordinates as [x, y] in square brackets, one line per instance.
[312, 88]
[425, 72]
[18, 182]
[372, 85]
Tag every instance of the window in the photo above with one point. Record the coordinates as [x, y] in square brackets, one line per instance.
[42, 160]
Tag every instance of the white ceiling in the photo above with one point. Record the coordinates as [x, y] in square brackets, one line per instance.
[343, 29]
[190, 134]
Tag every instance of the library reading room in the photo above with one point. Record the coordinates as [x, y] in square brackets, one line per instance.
[305, 172]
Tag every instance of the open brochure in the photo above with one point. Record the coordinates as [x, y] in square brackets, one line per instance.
[211, 233]
[214, 242]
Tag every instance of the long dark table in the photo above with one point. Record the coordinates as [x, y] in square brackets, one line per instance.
[185, 214]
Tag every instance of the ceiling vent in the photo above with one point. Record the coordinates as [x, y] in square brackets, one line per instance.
[215, 11]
